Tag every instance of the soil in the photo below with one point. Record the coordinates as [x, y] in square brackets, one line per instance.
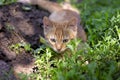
[18, 23]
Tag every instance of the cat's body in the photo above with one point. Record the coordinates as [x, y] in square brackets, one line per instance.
[61, 26]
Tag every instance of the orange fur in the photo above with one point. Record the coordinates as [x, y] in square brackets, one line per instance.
[61, 26]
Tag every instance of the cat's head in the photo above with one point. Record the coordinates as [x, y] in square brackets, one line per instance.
[59, 34]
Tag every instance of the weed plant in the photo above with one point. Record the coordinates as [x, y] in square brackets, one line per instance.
[99, 59]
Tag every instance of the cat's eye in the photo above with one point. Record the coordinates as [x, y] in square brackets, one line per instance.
[53, 40]
[65, 40]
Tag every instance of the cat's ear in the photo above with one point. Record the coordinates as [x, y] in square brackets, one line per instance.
[46, 22]
[73, 24]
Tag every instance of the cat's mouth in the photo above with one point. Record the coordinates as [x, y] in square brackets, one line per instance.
[60, 50]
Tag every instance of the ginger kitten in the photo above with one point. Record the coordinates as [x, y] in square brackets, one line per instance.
[61, 26]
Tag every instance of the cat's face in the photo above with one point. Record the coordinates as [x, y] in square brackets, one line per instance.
[59, 34]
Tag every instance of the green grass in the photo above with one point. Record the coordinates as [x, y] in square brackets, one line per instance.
[5, 2]
[100, 58]
[101, 20]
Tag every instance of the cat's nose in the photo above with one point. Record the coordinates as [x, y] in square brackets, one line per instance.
[58, 49]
